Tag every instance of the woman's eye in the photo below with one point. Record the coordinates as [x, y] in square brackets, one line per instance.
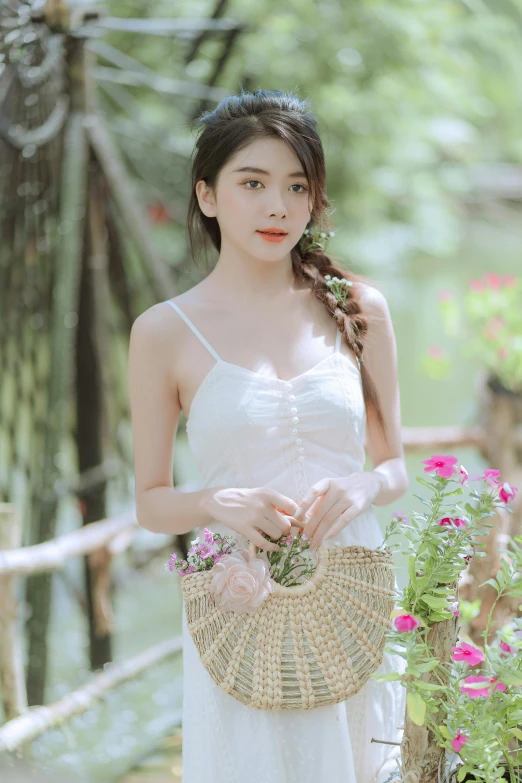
[297, 184]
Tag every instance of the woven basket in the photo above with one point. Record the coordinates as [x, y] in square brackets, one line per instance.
[307, 645]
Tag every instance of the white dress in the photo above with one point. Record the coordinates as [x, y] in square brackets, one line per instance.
[247, 430]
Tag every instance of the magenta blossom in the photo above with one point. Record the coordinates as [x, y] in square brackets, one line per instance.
[492, 477]
[443, 465]
[458, 741]
[209, 537]
[450, 522]
[507, 493]
[405, 623]
[470, 683]
[467, 653]
[172, 561]
[506, 648]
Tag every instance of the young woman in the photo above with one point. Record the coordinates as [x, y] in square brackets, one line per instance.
[280, 383]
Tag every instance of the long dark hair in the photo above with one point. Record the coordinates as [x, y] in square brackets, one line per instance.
[236, 122]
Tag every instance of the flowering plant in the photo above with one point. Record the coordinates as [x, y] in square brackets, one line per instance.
[490, 321]
[448, 696]
[242, 581]
[338, 286]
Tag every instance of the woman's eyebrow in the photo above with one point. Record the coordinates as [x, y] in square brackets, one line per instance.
[262, 171]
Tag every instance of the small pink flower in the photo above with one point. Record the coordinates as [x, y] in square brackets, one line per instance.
[444, 295]
[507, 493]
[435, 352]
[456, 612]
[458, 741]
[477, 286]
[467, 653]
[172, 561]
[405, 623]
[463, 475]
[401, 516]
[491, 477]
[241, 582]
[458, 522]
[493, 280]
[450, 522]
[443, 465]
[510, 281]
[474, 693]
[506, 648]
[209, 538]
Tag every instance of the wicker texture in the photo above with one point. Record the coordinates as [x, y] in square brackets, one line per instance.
[306, 646]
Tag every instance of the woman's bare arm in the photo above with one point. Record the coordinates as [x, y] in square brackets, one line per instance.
[380, 357]
[155, 412]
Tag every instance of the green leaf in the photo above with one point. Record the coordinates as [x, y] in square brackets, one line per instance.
[463, 771]
[428, 666]
[458, 491]
[516, 732]
[428, 686]
[445, 731]
[416, 707]
[435, 601]
[389, 677]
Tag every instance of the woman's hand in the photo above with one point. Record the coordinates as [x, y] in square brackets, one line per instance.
[339, 500]
[253, 511]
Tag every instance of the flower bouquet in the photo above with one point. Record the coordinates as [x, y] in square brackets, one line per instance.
[469, 699]
[278, 631]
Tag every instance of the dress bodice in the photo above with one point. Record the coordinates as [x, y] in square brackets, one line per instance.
[246, 429]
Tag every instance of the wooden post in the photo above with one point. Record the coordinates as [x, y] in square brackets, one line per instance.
[12, 678]
[501, 420]
[420, 755]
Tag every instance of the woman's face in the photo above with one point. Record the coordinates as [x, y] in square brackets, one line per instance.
[262, 186]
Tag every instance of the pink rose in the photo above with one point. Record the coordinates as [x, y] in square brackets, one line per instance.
[240, 582]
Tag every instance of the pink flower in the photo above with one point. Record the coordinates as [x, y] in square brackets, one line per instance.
[172, 561]
[405, 623]
[458, 741]
[506, 648]
[475, 680]
[444, 295]
[241, 582]
[443, 465]
[493, 280]
[209, 538]
[491, 477]
[510, 281]
[467, 653]
[507, 493]
[463, 475]
[449, 522]
[401, 516]
[435, 352]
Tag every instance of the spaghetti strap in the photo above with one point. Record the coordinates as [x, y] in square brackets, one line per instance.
[194, 329]
[338, 341]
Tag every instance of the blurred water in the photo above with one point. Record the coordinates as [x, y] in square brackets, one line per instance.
[99, 745]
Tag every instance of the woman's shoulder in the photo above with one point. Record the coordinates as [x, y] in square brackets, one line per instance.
[372, 301]
[158, 322]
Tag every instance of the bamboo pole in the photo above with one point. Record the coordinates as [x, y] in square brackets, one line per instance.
[54, 554]
[37, 720]
[12, 677]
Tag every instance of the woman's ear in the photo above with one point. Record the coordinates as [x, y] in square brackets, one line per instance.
[206, 200]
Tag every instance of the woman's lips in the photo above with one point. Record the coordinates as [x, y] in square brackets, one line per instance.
[272, 237]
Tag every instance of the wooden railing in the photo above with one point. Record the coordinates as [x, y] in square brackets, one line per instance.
[102, 541]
